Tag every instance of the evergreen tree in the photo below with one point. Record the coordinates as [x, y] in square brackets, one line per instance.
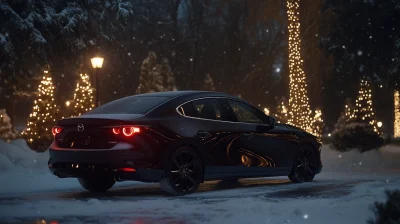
[396, 114]
[150, 79]
[43, 117]
[356, 127]
[83, 96]
[209, 83]
[169, 79]
[7, 132]
[364, 40]
[282, 112]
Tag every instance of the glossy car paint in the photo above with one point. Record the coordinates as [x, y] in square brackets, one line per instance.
[229, 149]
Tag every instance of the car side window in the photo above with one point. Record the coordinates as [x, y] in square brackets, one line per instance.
[244, 113]
[208, 109]
[205, 108]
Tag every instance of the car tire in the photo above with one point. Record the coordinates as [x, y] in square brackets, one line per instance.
[97, 184]
[305, 165]
[183, 172]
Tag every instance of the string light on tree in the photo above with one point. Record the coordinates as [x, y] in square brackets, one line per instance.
[83, 96]
[300, 113]
[43, 116]
[396, 114]
[363, 110]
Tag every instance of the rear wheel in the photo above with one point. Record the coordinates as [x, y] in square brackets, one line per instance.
[183, 172]
[305, 165]
[97, 184]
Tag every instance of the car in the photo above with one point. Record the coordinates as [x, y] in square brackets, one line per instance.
[180, 139]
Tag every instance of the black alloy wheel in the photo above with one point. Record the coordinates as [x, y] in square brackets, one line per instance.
[305, 165]
[183, 173]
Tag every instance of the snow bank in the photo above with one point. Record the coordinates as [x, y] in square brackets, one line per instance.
[17, 154]
[385, 159]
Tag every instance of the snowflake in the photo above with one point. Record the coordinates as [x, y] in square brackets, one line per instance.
[191, 59]
[278, 70]
[370, 37]
[305, 216]
[344, 47]
[359, 53]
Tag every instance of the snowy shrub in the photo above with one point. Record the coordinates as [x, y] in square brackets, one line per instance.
[389, 211]
[7, 132]
[356, 135]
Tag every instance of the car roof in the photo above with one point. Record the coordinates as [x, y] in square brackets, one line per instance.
[196, 93]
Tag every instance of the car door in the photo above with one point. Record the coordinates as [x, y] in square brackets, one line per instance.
[263, 147]
[215, 134]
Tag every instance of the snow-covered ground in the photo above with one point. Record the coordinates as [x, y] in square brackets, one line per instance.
[349, 184]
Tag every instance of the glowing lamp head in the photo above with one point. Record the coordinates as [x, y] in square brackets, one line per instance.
[379, 124]
[97, 62]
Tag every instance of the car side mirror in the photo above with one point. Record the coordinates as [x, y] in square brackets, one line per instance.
[271, 121]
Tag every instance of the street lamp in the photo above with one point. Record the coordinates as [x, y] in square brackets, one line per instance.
[97, 63]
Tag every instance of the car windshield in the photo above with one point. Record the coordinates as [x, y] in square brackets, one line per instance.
[130, 105]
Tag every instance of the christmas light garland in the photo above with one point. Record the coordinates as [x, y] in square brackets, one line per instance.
[83, 96]
[396, 114]
[300, 113]
[42, 118]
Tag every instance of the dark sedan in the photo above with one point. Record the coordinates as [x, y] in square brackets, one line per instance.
[180, 139]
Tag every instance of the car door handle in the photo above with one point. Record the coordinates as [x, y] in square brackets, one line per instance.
[202, 134]
[247, 135]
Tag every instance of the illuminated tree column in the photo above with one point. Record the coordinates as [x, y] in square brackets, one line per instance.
[396, 114]
[83, 96]
[363, 111]
[43, 116]
[300, 113]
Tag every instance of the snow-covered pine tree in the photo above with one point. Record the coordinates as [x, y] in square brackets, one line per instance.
[168, 76]
[150, 79]
[209, 83]
[43, 117]
[357, 126]
[83, 96]
[7, 132]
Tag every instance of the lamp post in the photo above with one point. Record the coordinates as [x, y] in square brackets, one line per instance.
[97, 63]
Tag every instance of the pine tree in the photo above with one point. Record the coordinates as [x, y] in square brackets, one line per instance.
[7, 132]
[357, 126]
[150, 79]
[209, 83]
[396, 114]
[83, 96]
[363, 111]
[300, 112]
[168, 76]
[43, 116]
[282, 112]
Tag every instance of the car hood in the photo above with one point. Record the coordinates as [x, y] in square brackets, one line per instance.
[297, 130]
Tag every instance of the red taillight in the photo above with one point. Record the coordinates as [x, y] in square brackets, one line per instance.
[116, 131]
[129, 131]
[126, 130]
[56, 130]
[126, 169]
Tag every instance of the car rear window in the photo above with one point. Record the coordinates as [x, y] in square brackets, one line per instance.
[130, 105]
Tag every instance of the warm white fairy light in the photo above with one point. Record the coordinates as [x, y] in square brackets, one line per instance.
[300, 113]
[83, 96]
[363, 110]
[44, 112]
[396, 114]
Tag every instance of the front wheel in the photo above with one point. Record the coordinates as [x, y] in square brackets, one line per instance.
[305, 165]
[183, 172]
[97, 184]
